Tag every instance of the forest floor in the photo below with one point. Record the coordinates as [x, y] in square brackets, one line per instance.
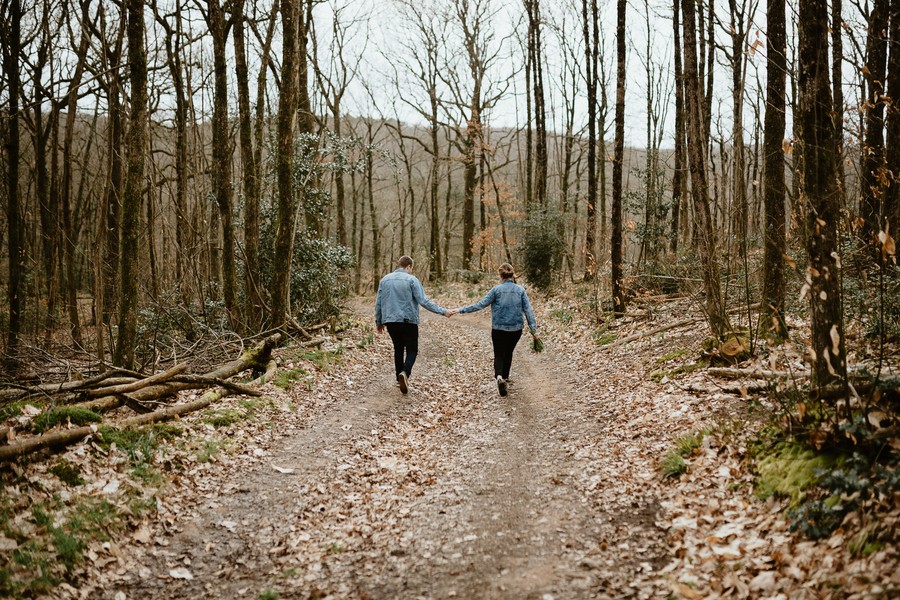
[339, 486]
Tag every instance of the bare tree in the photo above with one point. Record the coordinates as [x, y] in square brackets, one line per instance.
[66, 206]
[816, 123]
[873, 177]
[287, 108]
[591, 33]
[11, 32]
[249, 171]
[136, 144]
[425, 46]
[892, 133]
[618, 293]
[678, 179]
[221, 153]
[696, 147]
[774, 243]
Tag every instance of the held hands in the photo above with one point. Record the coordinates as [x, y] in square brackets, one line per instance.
[451, 311]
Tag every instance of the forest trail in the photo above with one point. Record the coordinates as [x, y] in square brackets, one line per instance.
[450, 491]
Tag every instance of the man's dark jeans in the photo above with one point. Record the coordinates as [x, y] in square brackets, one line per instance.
[504, 344]
[406, 342]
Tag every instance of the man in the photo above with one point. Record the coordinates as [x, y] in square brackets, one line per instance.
[397, 307]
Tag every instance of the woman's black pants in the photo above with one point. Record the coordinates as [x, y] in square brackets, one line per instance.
[504, 344]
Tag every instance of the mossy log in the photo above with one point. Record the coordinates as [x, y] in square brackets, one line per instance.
[257, 358]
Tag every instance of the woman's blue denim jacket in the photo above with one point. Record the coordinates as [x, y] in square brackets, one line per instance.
[399, 296]
[508, 300]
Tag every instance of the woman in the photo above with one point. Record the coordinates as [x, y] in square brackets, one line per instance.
[508, 301]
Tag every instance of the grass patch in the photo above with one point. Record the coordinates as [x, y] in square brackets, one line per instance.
[14, 409]
[139, 444]
[67, 472]
[49, 553]
[223, 417]
[268, 595]
[658, 375]
[603, 336]
[209, 451]
[563, 315]
[673, 355]
[286, 378]
[673, 464]
[366, 341]
[686, 444]
[63, 414]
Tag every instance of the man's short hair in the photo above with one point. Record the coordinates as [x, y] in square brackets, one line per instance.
[405, 262]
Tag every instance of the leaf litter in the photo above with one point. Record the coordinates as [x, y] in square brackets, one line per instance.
[341, 487]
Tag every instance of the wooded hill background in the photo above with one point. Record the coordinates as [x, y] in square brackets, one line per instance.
[208, 158]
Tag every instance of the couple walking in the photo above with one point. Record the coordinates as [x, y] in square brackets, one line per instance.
[400, 294]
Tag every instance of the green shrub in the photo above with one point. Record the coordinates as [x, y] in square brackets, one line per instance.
[542, 248]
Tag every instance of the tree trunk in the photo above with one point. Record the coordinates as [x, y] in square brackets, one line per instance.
[370, 194]
[618, 293]
[819, 172]
[221, 156]
[696, 146]
[873, 178]
[70, 243]
[136, 143]
[590, 33]
[250, 185]
[14, 211]
[892, 141]
[739, 176]
[284, 237]
[678, 172]
[436, 272]
[774, 243]
[837, 63]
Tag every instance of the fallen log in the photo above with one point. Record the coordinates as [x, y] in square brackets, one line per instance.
[652, 332]
[18, 392]
[134, 386]
[675, 325]
[734, 373]
[259, 358]
[255, 358]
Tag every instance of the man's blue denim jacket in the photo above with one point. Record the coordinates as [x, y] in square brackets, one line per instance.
[399, 296]
[508, 300]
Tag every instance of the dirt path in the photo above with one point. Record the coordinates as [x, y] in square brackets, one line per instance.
[451, 491]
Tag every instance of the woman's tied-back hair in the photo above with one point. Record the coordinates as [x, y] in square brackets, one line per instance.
[404, 262]
[506, 271]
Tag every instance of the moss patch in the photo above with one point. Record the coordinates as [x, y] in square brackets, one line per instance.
[63, 414]
[788, 470]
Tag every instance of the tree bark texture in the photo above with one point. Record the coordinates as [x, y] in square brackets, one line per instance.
[696, 146]
[618, 293]
[287, 102]
[136, 143]
[873, 176]
[590, 33]
[774, 242]
[221, 155]
[14, 211]
[819, 189]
